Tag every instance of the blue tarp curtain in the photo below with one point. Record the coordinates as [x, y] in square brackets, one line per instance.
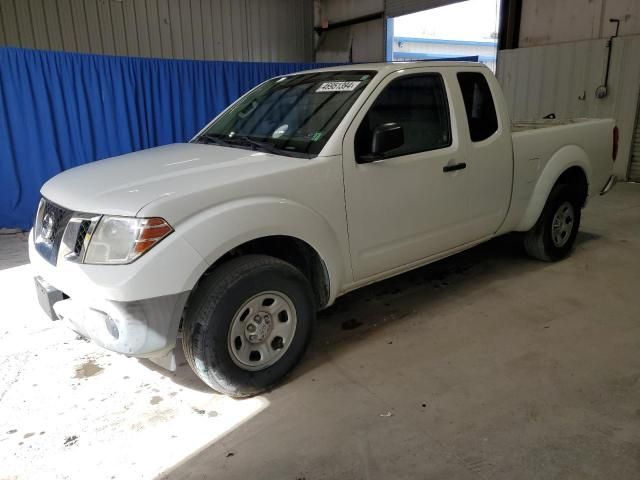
[59, 110]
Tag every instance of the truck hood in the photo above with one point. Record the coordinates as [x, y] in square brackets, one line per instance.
[124, 185]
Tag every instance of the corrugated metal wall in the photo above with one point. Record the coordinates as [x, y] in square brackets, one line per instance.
[547, 22]
[252, 30]
[563, 78]
[362, 42]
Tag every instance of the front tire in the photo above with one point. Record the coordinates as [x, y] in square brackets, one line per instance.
[552, 237]
[248, 324]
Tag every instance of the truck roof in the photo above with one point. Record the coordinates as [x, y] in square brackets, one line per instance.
[394, 66]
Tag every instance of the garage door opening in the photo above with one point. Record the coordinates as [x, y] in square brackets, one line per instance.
[461, 30]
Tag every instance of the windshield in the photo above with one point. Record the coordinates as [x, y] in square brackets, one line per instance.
[292, 115]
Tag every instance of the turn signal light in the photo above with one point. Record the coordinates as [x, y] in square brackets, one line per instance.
[151, 232]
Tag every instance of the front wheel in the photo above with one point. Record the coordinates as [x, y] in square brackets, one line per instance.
[553, 235]
[248, 324]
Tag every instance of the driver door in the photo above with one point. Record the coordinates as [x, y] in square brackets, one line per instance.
[411, 202]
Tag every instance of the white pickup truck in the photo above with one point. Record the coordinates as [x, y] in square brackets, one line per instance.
[309, 186]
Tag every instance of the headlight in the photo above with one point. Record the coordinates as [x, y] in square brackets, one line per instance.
[119, 240]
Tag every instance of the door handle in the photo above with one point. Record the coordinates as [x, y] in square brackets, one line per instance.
[454, 167]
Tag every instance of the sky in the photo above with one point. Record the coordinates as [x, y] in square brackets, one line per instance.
[470, 20]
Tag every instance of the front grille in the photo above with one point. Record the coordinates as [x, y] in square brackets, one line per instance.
[51, 222]
[80, 237]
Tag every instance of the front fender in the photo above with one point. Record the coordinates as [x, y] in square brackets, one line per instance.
[565, 158]
[215, 231]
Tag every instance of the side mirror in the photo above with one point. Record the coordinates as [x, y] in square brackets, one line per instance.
[386, 137]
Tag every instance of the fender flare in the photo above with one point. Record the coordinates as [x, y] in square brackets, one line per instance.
[216, 231]
[562, 160]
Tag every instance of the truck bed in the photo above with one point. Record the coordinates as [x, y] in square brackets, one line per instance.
[544, 123]
[539, 145]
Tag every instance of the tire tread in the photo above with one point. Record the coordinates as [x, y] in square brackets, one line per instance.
[208, 294]
[534, 240]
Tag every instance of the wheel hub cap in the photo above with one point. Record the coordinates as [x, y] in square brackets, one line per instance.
[562, 224]
[262, 330]
[258, 328]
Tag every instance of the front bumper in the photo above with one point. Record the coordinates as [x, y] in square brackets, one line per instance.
[142, 328]
[131, 309]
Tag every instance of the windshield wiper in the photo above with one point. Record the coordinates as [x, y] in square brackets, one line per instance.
[234, 142]
[215, 139]
[262, 145]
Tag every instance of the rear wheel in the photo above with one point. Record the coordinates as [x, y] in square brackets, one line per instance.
[553, 235]
[248, 324]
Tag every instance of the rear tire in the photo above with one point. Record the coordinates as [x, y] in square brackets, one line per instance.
[552, 237]
[248, 324]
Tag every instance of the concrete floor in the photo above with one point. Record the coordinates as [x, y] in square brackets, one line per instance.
[486, 365]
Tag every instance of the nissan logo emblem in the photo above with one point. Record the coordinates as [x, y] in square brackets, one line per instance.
[48, 225]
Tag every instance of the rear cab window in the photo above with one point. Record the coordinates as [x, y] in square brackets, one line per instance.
[479, 105]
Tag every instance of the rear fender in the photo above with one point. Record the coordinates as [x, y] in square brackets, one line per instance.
[565, 158]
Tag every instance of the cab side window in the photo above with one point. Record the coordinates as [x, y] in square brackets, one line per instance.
[417, 103]
[478, 103]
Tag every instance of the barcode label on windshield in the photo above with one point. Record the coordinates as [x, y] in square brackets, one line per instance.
[338, 87]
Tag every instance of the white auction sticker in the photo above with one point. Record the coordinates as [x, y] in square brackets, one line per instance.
[338, 86]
